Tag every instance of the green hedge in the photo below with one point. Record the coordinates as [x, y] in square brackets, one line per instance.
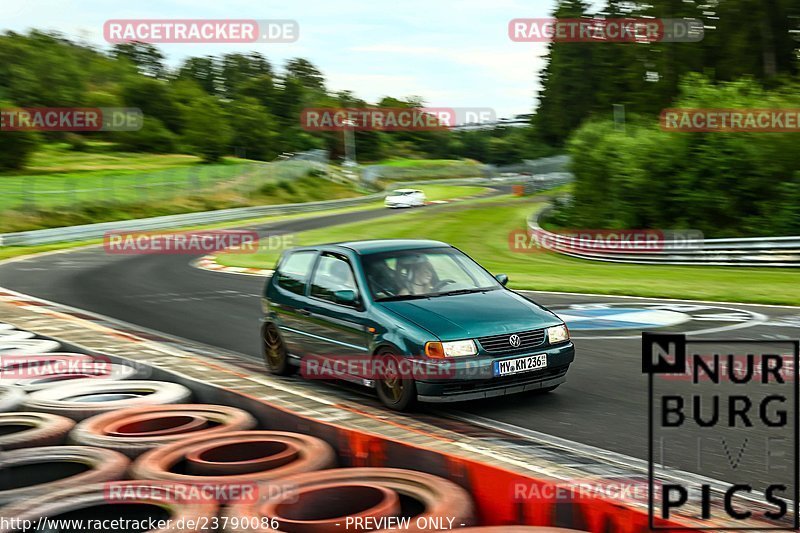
[724, 184]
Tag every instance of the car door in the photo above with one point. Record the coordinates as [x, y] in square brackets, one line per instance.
[289, 300]
[341, 328]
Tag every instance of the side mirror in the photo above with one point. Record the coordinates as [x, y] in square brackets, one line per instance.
[502, 278]
[345, 297]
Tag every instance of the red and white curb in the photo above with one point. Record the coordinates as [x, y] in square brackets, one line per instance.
[209, 262]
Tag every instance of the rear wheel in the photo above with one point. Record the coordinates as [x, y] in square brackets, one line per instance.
[395, 391]
[276, 357]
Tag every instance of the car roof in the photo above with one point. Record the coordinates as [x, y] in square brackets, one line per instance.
[405, 190]
[376, 246]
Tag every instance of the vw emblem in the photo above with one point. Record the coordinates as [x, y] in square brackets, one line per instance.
[514, 341]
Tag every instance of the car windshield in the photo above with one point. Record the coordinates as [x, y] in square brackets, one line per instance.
[401, 193]
[409, 274]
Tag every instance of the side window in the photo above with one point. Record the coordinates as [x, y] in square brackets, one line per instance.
[293, 272]
[332, 274]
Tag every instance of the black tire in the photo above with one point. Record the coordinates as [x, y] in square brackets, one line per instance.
[276, 356]
[547, 389]
[396, 392]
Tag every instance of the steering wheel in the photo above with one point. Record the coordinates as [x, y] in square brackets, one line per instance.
[442, 283]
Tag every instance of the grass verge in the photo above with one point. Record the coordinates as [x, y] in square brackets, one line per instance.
[437, 192]
[482, 230]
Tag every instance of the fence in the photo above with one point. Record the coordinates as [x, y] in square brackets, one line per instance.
[49, 192]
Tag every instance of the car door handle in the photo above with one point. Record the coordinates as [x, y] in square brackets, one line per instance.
[304, 312]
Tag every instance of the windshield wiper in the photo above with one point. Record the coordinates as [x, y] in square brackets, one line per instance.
[458, 291]
[404, 297]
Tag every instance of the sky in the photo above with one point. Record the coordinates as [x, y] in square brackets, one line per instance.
[452, 53]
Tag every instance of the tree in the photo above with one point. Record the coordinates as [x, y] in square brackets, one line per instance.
[146, 57]
[254, 135]
[567, 94]
[15, 146]
[154, 97]
[207, 131]
[203, 71]
[309, 76]
[152, 137]
[237, 70]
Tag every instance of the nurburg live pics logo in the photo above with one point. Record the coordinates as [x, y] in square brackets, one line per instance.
[752, 417]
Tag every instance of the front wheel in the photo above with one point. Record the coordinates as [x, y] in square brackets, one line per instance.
[395, 391]
[276, 357]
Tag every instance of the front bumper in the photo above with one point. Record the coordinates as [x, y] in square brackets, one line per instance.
[473, 379]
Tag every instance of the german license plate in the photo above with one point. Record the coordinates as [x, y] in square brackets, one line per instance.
[507, 367]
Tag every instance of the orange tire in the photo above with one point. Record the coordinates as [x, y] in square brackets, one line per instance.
[425, 498]
[228, 453]
[34, 472]
[135, 430]
[29, 430]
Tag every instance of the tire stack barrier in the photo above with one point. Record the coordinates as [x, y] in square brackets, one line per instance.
[179, 444]
[145, 430]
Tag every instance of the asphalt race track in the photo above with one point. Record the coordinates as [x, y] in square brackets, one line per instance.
[603, 403]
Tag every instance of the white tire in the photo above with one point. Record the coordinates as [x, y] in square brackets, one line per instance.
[90, 397]
[108, 372]
[10, 398]
[12, 335]
[29, 346]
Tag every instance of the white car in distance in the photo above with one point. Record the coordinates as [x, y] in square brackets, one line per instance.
[405, 198]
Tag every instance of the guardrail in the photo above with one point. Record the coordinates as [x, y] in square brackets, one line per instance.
[749, 252]
[97, 231]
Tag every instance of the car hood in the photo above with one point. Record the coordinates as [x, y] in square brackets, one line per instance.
[398, 198]
[465, 316]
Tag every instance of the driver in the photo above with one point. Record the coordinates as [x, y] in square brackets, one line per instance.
[422, 279]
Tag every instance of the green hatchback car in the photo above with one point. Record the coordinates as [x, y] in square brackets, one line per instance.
[417, 320]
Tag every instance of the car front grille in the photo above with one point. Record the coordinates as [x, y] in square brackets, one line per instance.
[501, 344]
[526, 378]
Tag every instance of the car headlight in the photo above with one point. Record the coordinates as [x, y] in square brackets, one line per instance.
[557, 334]
[440, 350]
